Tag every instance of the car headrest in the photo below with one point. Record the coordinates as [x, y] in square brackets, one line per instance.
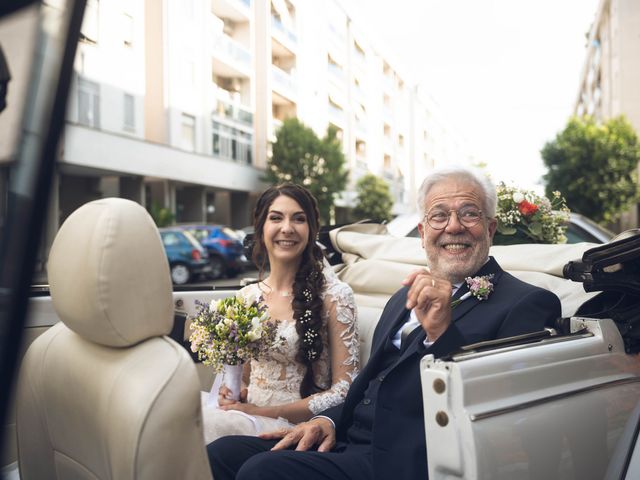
[109, 276]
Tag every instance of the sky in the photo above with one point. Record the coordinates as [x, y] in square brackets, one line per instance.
[505, 72]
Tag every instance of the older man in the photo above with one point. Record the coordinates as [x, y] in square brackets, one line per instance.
[378, 432]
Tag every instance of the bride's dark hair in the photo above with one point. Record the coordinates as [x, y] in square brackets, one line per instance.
[308, 282]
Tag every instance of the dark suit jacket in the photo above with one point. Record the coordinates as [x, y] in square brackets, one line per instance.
[399, 446]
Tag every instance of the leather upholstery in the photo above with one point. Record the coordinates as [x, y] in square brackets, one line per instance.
[105, 394]
[107, 267]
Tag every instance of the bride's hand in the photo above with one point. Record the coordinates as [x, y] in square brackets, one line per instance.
[224, 393]
[248, 408]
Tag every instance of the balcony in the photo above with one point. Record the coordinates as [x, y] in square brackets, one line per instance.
[284, 83]
[339, 31]
[359, 56]
[388, 83]
[288, 37]
[235, 10]
[336, 72]
[233, 112]
[230, 57]
[358, 94]
[361, 128]
[336, 114]
[387, 114]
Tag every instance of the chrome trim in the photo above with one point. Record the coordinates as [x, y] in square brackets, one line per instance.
[461, 357]
[559, 396]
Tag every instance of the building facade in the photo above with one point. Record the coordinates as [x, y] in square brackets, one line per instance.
[610, 79]
[176, 103]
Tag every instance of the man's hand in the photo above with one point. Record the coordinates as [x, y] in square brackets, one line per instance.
[431, 299]
[317, 431]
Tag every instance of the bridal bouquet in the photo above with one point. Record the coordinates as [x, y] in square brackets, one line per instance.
[231, 331]
[525, 217]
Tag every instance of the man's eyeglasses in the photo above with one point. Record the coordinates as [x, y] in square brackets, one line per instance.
[438, 219]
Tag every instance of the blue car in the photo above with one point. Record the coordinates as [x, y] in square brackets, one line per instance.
[187, 258]
[226, 254]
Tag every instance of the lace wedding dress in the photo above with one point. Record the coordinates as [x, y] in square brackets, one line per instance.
[275, 380]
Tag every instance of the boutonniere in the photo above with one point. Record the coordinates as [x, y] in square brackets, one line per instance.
[480, 287]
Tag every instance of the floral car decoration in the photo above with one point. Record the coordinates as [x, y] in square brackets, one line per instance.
[231, 331]
[525, 217]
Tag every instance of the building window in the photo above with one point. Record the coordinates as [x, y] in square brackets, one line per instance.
[89, 30]
[232, 144]
[88, 103]
[188, 132]
[129, 106]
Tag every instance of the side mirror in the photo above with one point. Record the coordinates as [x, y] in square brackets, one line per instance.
[614, 270]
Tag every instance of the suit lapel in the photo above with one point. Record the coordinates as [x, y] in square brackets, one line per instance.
[489, 268]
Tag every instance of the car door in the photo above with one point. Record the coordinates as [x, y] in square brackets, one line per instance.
[37, 119]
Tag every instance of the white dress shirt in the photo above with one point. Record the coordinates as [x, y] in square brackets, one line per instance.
[413, 322]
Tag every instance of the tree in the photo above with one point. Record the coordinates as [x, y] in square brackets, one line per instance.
[299, 156]
[162, 216]
[374, 199]
[594, 166]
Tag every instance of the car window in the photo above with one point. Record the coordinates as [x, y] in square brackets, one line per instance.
[192, 240]
[576, 234]
[170, 239]
[231, 233]
[199, 233]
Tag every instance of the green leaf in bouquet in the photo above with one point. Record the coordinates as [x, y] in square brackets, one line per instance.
[505, 230]
[535, 228]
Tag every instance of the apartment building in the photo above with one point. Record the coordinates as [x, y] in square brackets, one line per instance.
[176, 103]
[611, 72]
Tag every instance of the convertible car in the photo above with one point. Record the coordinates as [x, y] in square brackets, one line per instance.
[97, 382]
[108, 383]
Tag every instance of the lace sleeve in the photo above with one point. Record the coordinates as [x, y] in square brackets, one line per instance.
[343, 341]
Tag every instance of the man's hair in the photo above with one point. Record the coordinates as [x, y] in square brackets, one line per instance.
[459, 172]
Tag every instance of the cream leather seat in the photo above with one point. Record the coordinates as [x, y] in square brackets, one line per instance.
[105, 394]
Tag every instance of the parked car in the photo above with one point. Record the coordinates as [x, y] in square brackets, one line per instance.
[187, 258]
[579, 228]
[226, 254]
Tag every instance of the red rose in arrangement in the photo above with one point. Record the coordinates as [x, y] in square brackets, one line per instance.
[527, 209]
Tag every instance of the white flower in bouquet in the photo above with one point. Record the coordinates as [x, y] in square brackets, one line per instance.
[518, 197]
[231, 331]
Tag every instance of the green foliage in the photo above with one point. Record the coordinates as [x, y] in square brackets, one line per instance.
[162, 216]
[299, 156]
[374, 199]
[594, 165]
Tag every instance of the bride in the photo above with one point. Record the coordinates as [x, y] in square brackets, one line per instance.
[312, 369]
